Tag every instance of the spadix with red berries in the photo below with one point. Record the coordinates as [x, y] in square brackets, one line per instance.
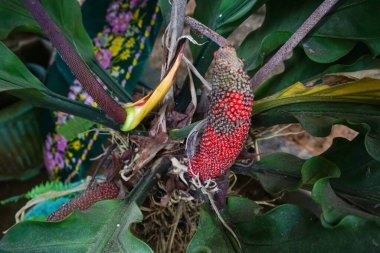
[228, 117]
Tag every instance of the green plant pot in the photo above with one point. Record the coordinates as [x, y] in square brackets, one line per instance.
[20, 142]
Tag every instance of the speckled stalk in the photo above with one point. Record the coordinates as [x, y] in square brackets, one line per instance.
[85, 200]
[76, 64]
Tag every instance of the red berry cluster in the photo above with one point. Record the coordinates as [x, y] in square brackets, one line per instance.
[86, 199]
[233, 106]
[228, 119]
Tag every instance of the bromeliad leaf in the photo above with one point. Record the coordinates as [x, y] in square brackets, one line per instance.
[105, 227]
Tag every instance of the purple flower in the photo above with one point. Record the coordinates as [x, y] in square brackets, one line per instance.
[88, 100]
[59, 160]
[121, 22]
[48, 141]
[48, 160]
[61, 142]
[134, 3]
[104, 57]
[112, 10]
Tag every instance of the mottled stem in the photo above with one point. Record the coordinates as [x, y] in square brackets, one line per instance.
[203, 30]
[175, 30]
[76, 64]
[265, 71]
[176, 25]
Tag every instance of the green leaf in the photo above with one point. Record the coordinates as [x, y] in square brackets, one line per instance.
[344, 178]
[352, 21]
[67, 16]
[301, 69]
[210, 235]
[177, 134]
[360, 174]
[323, 50]
[15, 16]
[16, 79]
[286, 228]
[316, 168]
[102, 228]
[14, 75]
[165, 7]
[280, 172]
[47, 186]
[334, 208]
[73, 127]
[319, 107]
[277, 172]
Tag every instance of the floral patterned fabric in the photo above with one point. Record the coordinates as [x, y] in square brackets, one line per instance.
[123, 44]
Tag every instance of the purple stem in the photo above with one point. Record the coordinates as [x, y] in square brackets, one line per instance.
[265, 71]
[76, 64]
[203, 30]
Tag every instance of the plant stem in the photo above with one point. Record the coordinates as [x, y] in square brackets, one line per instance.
[203, 30]
[175, 30]
[175, 27]
[101, 164]
[265, 71]
[76, 64]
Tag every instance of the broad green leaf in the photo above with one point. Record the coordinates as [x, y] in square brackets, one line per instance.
[15, 16]
[277, 172]
[14, 75]
[366, 91]
[323, 50]
[73, 127]
[347, 24]
[16, 79]
[345, 178]
[360, 174]
[286, 228]
[102, 228]
[210, 235]
[334, 208]
[319, 107]
[280, 172]
[67, 15]
[316, 168]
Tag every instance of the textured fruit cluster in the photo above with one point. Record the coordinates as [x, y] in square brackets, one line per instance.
[228, 118]
[83, 201]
